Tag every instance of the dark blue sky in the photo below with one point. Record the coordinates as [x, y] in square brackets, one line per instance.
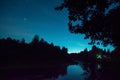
[25, 18]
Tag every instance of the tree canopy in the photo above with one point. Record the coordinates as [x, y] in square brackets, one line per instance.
[99, 20]
[38, 51]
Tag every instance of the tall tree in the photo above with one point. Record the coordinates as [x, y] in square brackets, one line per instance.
[99, 20]
[35, 39]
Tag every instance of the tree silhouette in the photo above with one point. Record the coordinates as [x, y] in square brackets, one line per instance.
[36, 52]
[23, 41]
[97, 19]
[35, 39]
[64, 50]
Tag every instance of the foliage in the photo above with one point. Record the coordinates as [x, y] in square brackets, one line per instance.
[97, 19]
[94, 55]
[36, 52]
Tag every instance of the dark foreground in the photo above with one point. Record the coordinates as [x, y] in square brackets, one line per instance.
[40, 60]
[80, 71]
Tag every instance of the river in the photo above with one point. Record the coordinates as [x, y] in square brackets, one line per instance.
[61, 72]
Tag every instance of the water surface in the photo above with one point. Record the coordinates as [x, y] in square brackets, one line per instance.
[56, 72]
[84, 71]
[74, 72]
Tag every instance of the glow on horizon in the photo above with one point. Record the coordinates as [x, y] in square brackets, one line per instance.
[24, 19]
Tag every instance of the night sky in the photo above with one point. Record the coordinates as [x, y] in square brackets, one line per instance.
[26, 18]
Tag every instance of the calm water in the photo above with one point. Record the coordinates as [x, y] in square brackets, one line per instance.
[62, 72]
[74, 72]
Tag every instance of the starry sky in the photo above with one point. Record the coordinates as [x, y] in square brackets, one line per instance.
[26, 18]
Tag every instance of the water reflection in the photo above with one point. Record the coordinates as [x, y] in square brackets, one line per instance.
[74, 72]
[82, 71]
[101, 71]
[56, 72]
[94, 70]
[50, 72]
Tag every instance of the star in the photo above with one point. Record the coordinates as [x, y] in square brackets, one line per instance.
[25, 19]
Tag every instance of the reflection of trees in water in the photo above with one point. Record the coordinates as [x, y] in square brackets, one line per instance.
[51, 72]
[93, 71]
[103, 71]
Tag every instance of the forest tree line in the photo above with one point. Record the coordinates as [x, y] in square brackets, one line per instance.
[97, 55]
[36, 52]
[39, 51]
